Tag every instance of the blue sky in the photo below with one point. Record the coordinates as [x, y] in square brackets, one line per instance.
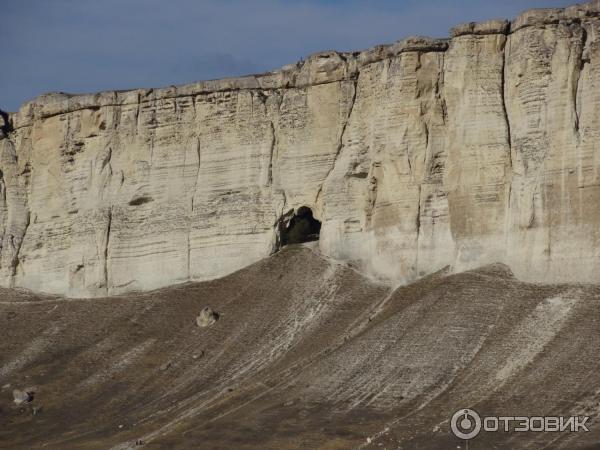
[90, 45]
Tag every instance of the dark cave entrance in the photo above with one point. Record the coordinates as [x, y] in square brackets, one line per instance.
[299, 227]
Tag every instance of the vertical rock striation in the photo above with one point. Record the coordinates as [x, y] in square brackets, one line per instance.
[475, 149]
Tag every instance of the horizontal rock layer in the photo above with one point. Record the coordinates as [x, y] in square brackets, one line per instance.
[424, 153]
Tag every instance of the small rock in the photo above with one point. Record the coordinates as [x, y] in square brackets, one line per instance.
[165, 366]
[36, 410]
[198, 355]
[121, 426]
[289, 403]
[21, 397]
[207, 317]
[6, 386]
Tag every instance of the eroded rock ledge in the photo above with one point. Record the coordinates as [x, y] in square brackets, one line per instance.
[415, 155]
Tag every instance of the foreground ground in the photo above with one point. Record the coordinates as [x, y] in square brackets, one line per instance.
[306, 354]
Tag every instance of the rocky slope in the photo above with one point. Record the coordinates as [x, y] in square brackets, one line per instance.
[464, 151]
[306, 353]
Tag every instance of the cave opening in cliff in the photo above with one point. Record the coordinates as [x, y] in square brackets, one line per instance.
[299, 227]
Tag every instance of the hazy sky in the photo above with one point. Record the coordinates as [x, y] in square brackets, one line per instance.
[91, 45]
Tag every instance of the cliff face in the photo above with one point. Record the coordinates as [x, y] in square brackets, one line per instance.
[425, 153]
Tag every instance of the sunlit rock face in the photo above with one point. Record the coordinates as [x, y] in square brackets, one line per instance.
[481, 148]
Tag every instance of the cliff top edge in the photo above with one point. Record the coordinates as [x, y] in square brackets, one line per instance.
[319, 68]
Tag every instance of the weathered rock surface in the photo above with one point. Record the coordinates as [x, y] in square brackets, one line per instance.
[414, 156]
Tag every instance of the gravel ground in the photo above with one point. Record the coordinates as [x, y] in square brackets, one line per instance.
[305, 353]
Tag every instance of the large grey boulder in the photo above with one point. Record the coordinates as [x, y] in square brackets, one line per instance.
[206, 317]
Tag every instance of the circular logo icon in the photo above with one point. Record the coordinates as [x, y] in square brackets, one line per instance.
[466, 424]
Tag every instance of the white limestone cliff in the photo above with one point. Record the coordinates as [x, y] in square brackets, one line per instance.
[481, 148]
